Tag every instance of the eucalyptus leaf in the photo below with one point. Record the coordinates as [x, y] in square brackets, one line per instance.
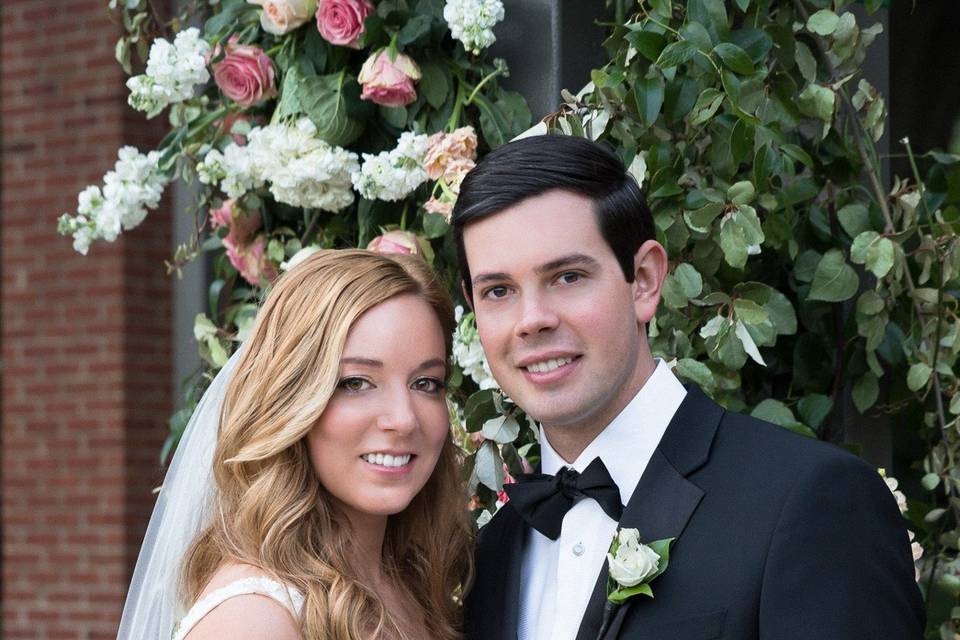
[823, 22]
[865, 392]
[488, 466]
[834, 280]
[502, 429]
[918, 376]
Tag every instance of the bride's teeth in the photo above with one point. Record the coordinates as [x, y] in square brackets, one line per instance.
[387, 460]
[548, 365]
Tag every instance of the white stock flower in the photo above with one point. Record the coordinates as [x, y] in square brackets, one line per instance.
[299, 257]
[393, 175]
[468, 352]
[301, 169]
[135, 185]
[633, 562]
[472, 21]
[172, 73]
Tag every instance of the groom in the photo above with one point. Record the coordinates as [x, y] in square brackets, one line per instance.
[776, 536]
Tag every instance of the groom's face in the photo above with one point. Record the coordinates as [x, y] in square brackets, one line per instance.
[555, 314]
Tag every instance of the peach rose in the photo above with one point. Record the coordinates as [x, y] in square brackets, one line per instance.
[341, 21]
[245, 248]
[389, 82]
[245, 75]
[446, 149]
[283, 16]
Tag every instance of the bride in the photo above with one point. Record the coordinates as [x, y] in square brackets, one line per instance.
[324, 500]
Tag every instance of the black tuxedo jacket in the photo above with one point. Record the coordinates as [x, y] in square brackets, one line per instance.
[778, 537]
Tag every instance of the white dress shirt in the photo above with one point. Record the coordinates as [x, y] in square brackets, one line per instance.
[558, 576]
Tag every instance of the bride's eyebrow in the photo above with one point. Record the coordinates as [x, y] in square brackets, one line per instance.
[366, 362]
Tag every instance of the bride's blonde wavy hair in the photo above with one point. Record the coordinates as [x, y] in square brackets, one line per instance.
[271, 510]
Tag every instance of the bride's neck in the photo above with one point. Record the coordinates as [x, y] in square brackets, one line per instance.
[366, 536]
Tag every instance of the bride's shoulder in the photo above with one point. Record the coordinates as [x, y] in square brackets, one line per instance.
[242, 601]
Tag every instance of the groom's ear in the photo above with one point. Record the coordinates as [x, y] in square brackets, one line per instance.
[467, 294]
[649, 271]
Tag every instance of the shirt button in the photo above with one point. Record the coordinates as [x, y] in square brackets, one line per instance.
[578, 549]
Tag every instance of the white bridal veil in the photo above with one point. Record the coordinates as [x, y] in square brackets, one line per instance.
[182, 509]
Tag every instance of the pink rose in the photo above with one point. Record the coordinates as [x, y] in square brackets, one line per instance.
[389, 82]
[251, 260]
[341, 21]
[241, 224]
[502, 496]
[283, 16]
[245, 75]
[450, 151]
[396, 241]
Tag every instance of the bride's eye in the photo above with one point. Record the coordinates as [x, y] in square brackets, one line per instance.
[429, 385]
[354, 384]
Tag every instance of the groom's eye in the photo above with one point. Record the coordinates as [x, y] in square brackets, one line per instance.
[495, 292]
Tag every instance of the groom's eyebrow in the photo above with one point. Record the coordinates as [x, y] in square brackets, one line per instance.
[571, 260]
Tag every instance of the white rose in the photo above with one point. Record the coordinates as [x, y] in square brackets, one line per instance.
[282, 16]
[633, 562]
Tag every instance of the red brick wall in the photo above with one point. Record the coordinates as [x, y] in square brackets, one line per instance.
[85, 340]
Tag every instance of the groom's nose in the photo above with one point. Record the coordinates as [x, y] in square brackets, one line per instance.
[536, 315]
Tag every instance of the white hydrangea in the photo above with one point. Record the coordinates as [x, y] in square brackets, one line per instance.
[472, 21]
[301, 169]
[172, 73]
[468, 352]
[135, 185]
[392, 175]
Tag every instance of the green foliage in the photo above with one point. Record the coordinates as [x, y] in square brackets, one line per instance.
[797, 276]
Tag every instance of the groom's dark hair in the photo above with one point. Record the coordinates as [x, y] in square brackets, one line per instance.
[531, 166]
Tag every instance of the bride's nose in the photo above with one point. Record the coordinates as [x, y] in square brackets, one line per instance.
[397, 413]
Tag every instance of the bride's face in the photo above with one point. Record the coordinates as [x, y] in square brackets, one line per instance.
[377, 442]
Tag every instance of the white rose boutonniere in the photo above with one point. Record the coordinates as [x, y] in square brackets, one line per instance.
[632, 566]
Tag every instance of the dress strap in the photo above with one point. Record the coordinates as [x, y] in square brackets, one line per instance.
[289, 597]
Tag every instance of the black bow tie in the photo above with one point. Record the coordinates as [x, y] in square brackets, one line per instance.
[543, 500]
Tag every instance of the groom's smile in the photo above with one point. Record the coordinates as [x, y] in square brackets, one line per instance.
[555, 313]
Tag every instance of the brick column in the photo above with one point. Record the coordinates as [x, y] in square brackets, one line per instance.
[85, 340]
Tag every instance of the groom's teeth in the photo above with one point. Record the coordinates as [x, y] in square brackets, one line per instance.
[548, 365]
[387, 460]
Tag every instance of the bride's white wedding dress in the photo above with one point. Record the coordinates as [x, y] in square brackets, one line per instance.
[291, 599]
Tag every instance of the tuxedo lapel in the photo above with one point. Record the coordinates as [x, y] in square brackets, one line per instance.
[663, 500]
[500, 559]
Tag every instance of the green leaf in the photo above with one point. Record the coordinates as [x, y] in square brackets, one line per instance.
[817, 101]
[930, 481]
[918, 376]
[806, 62]
[480, 408]
[676, 53]
[865, 392]
[650, 44]
[433, 85]
[749, 311]
[324, 100]
[415, 28]
[773, 411]
[794, 152]
[696, 372]
[823, 22]
[649, 94]
[502, 429]
[203, 328]
[734, 57]
[697, 34]
[706, 106]
[782, 314]
[622, 595]
[701, 219]
[870, 303]
[395, 116]
[488, 466]
[880, 257]
[689, 278]
[663, 8]
[434, 225]
[743, 5]
[814, 408]
[749, 345]
[740, 235]
[834, 280]
[855, 219]
[741, 192]
[805, 266]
